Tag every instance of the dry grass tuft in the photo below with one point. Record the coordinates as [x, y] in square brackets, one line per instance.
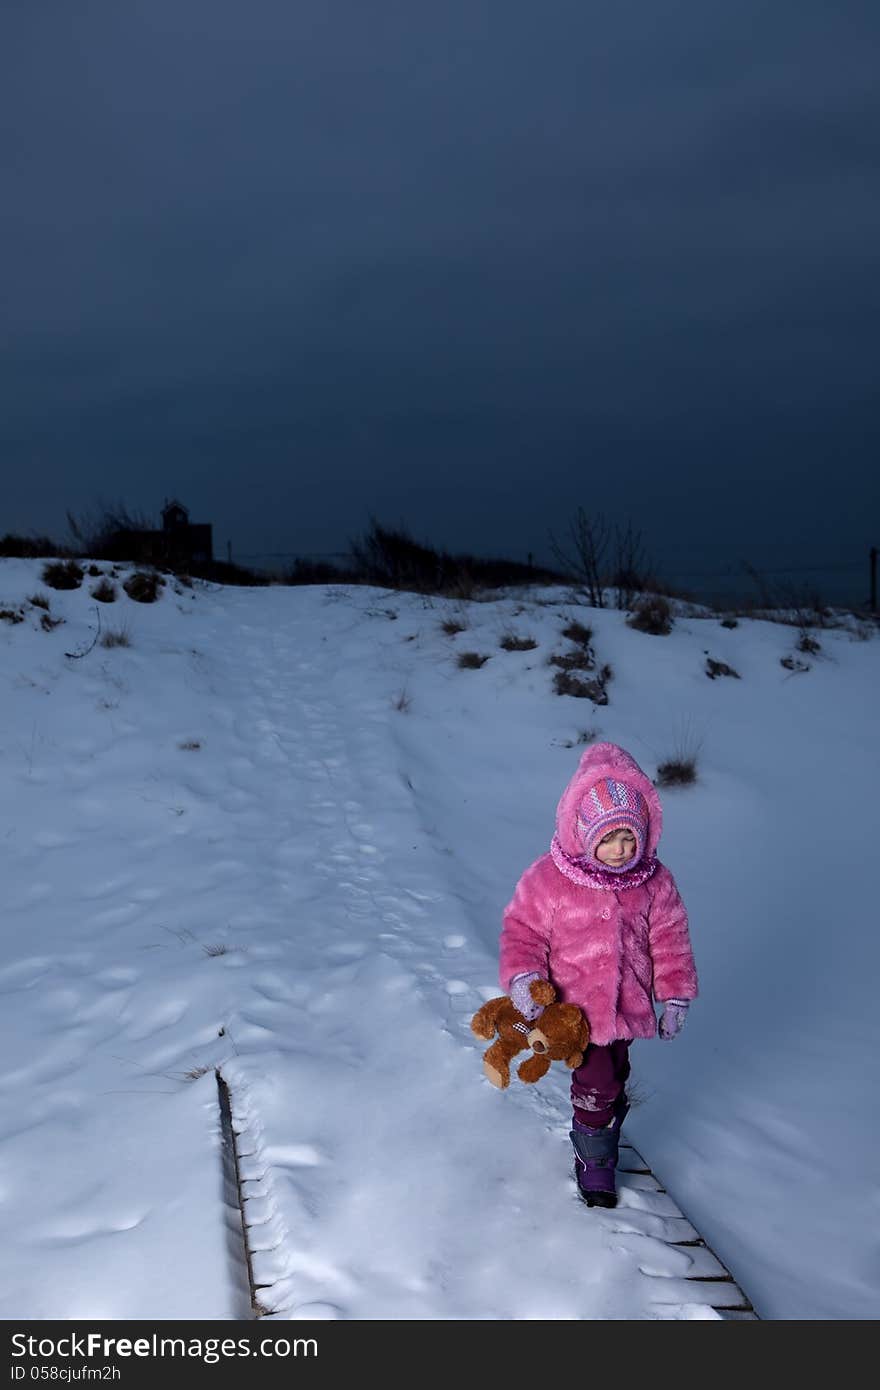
[566, 683]
[719, 668]
[105, 592]
[580, 660]
[677, 772]
[143, 586]
[62, 574]
[577, 632]
[652, 615]
[471, 661]
[511, 643]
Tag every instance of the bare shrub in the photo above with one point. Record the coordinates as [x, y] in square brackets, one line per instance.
[652, 615]
[390, 557]
[808, 644]
[39, 601]
[62, 574]
[116, 637]
[798, 605]
[29, 547]
[471, 661]
[143, 586]
[511, 643]
[105, 592]
[315, 572]
[453, 626]
[11, 615]
[111, 533]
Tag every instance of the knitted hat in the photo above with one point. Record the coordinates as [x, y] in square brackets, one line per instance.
[613, 805]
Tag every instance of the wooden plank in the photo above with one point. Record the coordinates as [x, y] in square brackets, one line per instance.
[647, 1203]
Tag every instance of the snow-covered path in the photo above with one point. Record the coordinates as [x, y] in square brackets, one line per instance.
[389, 1189]
[271, 903]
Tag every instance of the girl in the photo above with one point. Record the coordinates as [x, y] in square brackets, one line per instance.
[601, 918]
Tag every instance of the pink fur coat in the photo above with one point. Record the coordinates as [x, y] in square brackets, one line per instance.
[607, 941]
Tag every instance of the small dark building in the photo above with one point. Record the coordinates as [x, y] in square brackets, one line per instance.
[185, 542]
[179, 544]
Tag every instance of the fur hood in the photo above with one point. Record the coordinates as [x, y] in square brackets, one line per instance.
[604, 760]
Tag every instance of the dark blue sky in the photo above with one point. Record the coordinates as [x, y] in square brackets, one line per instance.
[464, 265]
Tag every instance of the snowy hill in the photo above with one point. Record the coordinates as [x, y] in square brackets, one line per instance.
[275, 835]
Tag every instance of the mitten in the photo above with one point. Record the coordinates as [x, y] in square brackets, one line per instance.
[520, 997]
[672, 1019]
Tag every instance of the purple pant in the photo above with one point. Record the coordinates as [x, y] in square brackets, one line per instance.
[598, 1083]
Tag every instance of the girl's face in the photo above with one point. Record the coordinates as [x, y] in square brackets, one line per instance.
[616, 848]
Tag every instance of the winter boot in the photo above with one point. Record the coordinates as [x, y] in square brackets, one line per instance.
[595, 1155]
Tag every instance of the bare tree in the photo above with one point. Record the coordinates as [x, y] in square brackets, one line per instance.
[630, 569]
[94, 535]
[583, 557]
[803, 604]
[766, 596]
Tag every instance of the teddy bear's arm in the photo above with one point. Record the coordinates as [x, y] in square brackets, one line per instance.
[485, 1021]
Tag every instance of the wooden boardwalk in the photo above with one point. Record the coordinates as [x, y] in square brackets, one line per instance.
[695, 1274]
[646, 1220]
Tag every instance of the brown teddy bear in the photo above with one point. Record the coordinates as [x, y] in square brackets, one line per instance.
[560, 1034]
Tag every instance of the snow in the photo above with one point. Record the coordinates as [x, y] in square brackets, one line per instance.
[310, 900]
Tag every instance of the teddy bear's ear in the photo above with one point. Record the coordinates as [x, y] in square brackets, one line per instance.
[542, 992]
